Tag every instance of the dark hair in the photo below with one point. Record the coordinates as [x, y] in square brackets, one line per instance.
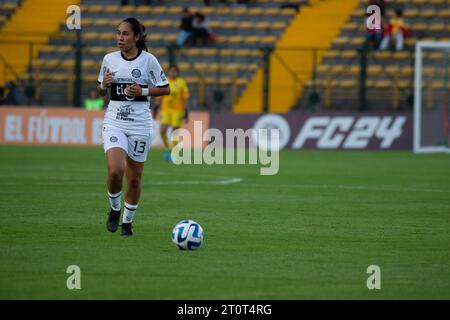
[138, 29]
[399, 12]
[174, 66]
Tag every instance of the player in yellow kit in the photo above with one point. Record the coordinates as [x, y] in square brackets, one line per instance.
[174, 108]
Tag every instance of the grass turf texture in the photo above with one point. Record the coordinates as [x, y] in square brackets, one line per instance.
[309, 232]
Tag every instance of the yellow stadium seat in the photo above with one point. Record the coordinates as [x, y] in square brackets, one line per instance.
[95, 50]
[323, 68]
[419, 27]
[171, 37]
[143, 9]
[278, 25]
[246, 25]
[154, 37]
[255, 11]
[287, 12]
[262, 25]
[437, 27]
[158, 10]
[107, 36]
[90, 35]
[268, 39]
[223, 10]
[444, 13]
[239, 11]
[206, 10]
[428, 13]
[346, 84]
[382, 54]
[272, 12]
[374, 70]
[86, 21]
[411, 13]
[357, 41]
[392, 70]
[175, 10]
[252, 39]
[243, 52]
[168, 23]
[211, 52]
[101, 22]
[230, 24]
[48, 48]
[350, 26]
[349, 54]
[111, 8]
[127, 9]
[331, 54]
[64, 49]
[382, 84]
[337, 68]
[68, 63]
[236, 39]
[96, 8]
[341, 40]
[89, 77]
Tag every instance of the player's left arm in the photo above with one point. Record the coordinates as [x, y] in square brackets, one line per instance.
[136, 90]
[185, 101]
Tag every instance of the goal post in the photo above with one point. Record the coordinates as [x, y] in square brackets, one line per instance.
[431, 97]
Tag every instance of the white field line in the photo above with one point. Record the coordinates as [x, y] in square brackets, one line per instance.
[354, 187]
[219, 181]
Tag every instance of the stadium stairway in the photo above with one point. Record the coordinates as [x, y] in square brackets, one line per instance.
[390, 73]
[34, 21]
[317, 25]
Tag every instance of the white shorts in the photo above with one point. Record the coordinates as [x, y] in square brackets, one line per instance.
[136, 146]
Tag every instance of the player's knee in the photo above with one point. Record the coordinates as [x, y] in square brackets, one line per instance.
[115, 174]
[134, 184]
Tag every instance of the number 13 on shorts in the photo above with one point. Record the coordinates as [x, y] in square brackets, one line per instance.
[136, 146]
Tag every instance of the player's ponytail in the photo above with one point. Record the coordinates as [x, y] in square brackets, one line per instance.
[138, 29]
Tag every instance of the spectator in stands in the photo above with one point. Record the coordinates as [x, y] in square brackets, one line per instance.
[2, 95]
[396, 29]
[201, 32]
[185, 27]
[93, 102]
[12, 97]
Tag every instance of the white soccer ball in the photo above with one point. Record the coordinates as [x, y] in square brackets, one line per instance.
[187, 235]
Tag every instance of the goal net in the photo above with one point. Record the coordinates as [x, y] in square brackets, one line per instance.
[431, 97]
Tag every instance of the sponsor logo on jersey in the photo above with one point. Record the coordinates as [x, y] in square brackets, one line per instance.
[163, 76]
[124, 113]
[136, 73]
[152, 75]
[113, 139]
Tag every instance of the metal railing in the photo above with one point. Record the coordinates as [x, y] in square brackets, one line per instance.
[218, 88]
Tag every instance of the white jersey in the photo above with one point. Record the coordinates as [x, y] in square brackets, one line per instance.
[130, 113]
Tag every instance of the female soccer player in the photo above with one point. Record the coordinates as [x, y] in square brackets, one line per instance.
[133, 76]
[174, 108]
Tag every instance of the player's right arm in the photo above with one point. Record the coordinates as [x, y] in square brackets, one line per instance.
[103, 86]
[104, 79]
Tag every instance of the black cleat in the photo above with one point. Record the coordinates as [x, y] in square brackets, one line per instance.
[127, 229]
[113, 220]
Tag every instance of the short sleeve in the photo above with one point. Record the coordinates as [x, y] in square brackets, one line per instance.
[157, 75]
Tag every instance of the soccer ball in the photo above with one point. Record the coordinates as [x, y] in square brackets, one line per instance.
[187, 235]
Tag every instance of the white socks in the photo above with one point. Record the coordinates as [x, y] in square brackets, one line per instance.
[129, 212]
[115, 200]
[129, 209]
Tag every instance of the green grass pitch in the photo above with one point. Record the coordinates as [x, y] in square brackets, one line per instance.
[309, 232]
